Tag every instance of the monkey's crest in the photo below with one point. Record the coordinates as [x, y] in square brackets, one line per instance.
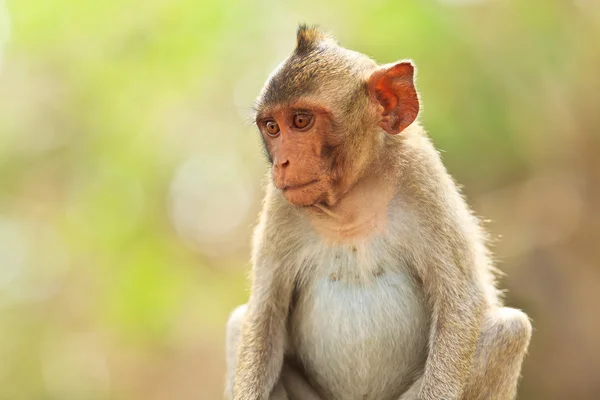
[318, 63]
[308, 37]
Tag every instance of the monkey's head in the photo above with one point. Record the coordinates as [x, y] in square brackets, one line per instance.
[325, 114]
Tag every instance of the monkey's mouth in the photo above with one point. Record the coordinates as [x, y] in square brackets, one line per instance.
[286, 188]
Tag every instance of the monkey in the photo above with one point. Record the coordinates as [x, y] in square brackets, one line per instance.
[371, 277]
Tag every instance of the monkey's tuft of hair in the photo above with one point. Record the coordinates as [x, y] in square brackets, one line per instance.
[308, 37]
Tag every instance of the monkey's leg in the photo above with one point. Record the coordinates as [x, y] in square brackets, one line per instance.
[500, 351]
[291, 382]
[296, 385]
[413, 391]
[497, 363]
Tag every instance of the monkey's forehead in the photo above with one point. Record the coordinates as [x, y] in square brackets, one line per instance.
[325, 69]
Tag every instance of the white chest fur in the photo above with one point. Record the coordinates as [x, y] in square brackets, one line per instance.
[359, 328]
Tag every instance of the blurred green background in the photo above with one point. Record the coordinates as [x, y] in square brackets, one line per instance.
[130, 175]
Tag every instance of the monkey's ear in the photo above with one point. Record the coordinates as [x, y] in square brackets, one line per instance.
[393, 86]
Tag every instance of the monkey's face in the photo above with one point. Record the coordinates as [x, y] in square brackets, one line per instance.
[321, 113]
[299, 141]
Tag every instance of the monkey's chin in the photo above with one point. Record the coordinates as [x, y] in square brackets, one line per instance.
[302, 196]
[300, 199]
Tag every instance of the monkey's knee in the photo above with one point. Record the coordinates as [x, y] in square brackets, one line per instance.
[234, 329]
[511, 328]
[234, 326]
[500, 351]
[504, 341]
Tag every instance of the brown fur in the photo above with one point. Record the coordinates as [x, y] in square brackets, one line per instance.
[373, 282]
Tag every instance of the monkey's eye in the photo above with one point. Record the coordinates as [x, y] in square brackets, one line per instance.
[301, 121]
[272, 128]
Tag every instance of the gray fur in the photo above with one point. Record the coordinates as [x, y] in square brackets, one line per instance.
[411, 312]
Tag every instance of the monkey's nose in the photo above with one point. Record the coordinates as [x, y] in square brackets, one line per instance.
[282, 164]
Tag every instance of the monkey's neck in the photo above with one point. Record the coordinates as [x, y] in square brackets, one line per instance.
[359, 214]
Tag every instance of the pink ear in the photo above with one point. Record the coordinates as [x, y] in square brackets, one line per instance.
[393, 87]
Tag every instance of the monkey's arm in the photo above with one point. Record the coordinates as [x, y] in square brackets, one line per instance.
[457, 304]
[262, 341]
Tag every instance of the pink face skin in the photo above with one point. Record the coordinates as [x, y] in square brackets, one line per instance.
[296, 137]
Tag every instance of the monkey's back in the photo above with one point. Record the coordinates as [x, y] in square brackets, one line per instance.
[359, 329]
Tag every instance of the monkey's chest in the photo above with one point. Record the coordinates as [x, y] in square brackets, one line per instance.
[360, 337]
